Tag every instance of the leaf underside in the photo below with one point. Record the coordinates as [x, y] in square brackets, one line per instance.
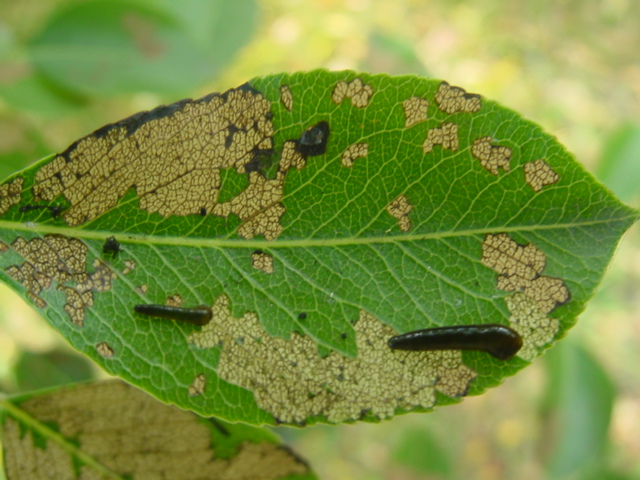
[317, 214]
[111, 430]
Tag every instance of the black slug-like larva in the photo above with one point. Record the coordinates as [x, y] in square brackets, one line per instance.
[497, 340]
[314, 140]
[112, 246]
[198, 316]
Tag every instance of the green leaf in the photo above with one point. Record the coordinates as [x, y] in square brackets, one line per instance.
[318, 214]
[107, 47]
[580, 405]
[112, 430]
[619, 167]
[420, 450]
[49, 369]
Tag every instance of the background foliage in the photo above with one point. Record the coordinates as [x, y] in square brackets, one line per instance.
[570, 66]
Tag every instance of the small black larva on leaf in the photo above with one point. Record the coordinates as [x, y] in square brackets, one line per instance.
[111, 245]
[497, 340]
[314, 140]
[199, 315]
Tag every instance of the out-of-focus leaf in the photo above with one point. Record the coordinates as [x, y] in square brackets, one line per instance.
[111, 430]
[218, 27]
[391, 53]
[606, 474]
[106, 47]
[38, 94]
[34, 371]
[421, 451]
[18, 144]
[619, 167]
[579, 405]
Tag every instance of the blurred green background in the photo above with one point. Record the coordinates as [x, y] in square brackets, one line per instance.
[573, 66]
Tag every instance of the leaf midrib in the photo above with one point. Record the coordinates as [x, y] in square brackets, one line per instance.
[144, 239]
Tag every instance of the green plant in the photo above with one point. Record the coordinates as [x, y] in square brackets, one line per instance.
[580, 380]
[326, 212]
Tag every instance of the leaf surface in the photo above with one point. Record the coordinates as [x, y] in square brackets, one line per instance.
[111, 430]
[318, 214]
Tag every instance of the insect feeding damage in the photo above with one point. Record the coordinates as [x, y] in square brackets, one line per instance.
[292, 381]
[446, 136]
[132, 435]
[10, 194]
[400, 208]
[519, 269]
[491, 156]
[198, 385]
[173, 157]
[539, 174]
[262, 261]
[63, 260]
[452, 99]
[415, 111]
[286, 97]
[105, 350]
[353, 152]
[359, 92]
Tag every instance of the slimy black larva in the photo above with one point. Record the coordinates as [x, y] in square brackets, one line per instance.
[497, 340]
[199, 315]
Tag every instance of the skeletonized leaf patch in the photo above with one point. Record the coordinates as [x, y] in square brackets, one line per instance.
[113, 430]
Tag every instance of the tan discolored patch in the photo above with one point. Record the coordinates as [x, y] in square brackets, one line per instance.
[262, 261]
[129, 434]
[101, 277]
[77, 303]
[353, 152]
[105, 350]
[292, 381]
[291, 157]
[10, 194]
[198, 385]
[172, 156]
[257, 206]
[452, 99]
[532, 323]
[519, 269]
[547, 292]
[286, 97]
[415, 111]
[3, 247]
[400, 209]
[63, 260]
[264, 461]
[360, 93]
[142, 289]
[129, 265]
[25, 458]
[491, 157]
[538, 174]
[446, 135]
[174, 300]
